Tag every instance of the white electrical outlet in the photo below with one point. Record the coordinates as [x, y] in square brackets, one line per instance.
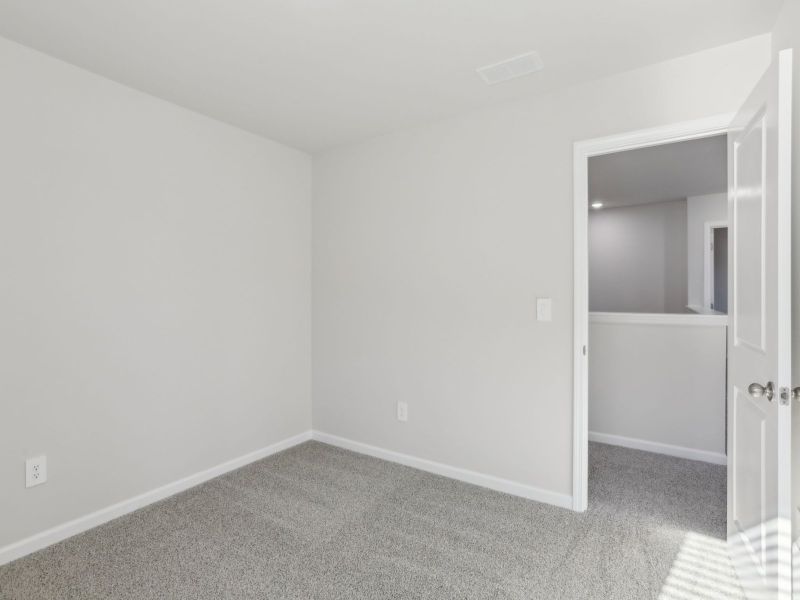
[35, 471]
[402, 411]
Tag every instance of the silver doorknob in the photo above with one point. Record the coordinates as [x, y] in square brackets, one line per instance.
[756, 390]
[796, 393]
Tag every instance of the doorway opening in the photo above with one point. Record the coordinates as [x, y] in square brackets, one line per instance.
[651, 334]
[759, 427]
[658, 302]
[715, 276]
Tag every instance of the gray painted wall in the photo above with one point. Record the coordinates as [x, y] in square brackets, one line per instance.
[637, 258]
[633, 371]
[155, 291]
[431, 246]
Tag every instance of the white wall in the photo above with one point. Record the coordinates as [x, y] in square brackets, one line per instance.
[431, 245]
[155, 291]
[637, 258]
[787, 35]
[659, 383]
[701, 210]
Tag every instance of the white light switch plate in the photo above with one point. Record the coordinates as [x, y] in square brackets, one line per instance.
[544, 309]
[402, 411]
[35, 471]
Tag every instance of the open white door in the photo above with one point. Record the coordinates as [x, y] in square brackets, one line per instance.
[759, 341]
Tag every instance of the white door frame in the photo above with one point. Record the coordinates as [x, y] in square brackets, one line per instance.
[583, 150]
[708, 260]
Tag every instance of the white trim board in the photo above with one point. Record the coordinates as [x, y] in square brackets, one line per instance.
[582, 151]
[692, 320]
[488, 481]
[70, 528]
[701, 310]
[716, 458]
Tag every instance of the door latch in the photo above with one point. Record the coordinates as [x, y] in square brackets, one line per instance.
[788, 394]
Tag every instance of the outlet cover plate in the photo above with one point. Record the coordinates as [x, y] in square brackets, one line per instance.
[35, 471]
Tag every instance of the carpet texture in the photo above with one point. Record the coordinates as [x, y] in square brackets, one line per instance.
[318, 522]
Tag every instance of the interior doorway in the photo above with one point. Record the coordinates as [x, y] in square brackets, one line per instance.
[716, 267]
[657, 241]
[651, 316]
[759, 424]
[584, 151]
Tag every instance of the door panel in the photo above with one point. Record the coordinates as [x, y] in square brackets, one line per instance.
[749, 474]
[759, 441]
[749, 221]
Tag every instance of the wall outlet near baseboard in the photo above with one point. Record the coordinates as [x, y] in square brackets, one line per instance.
[402, 411]
[35, 471]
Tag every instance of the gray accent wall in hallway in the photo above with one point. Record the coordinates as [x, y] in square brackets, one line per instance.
[637, 258]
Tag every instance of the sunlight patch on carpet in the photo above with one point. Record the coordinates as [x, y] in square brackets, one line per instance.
[702, 571]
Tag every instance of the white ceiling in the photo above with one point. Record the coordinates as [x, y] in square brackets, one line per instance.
[660, 173]
[317, 73]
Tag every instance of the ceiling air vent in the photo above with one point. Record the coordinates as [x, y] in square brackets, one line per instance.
[524, 64]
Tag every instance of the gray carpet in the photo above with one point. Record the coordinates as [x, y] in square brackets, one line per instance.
[317, 522]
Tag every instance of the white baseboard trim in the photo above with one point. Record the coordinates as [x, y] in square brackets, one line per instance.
[488, 481]
[65, 530]
[659, 448]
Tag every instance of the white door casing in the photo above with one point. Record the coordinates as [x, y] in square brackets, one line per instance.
[583, 150]
[759, 429]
